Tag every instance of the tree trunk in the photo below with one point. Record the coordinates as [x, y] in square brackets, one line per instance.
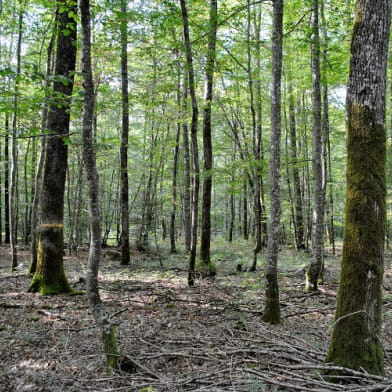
[124, 199]
[49, 277]
[195, 147]
[356, 341]
[40, 163]
[272, 308]
[245, 231]
[13, 167]
[187, 169]
[298, 216]
[175, 168]
[6, 181]
[114, 360]
[326, 138]
[207, 141]
[315, 269]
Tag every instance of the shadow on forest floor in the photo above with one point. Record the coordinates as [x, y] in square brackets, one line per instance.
[208, 338]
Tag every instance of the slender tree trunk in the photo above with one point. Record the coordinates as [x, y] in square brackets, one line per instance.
[298, 216]
[245, 230]
[124, 199]
[315, 270]
[6, 181]
[272, 308]
[326, 137]
[187, 169]
[207, 141]
[175, 169]
[356, 338]
[195, 147]
[13, 167]
[49, 277]
[257, 207]
[114, 360]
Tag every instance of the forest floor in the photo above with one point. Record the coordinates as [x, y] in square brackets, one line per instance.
[208, 338]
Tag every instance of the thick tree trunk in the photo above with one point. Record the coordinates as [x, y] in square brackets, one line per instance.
[272, 308]
[315, 269]
[124, 198]
[207, 141]
[356, 338]
[49, 277]
[40, 165]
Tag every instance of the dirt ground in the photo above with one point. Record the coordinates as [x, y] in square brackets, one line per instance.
[208, 338]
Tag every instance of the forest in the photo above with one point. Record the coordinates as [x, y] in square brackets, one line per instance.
[195, 195]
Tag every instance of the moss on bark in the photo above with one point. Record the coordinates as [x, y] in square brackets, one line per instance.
[356, 340]
[49, 277]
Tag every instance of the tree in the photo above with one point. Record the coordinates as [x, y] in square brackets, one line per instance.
[113, 358]
[207, 140]
[272, 308]
[124, 199]
[298, 214]
[13, 167]
[356, 341]
[194, 143]
[314, 271]
[49, 277]
[187, 168]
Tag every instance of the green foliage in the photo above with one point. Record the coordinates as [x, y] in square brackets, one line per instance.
[205, 270]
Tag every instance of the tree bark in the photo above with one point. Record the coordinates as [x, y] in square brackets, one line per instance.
[40, 164]
[6, 181]
[272, 308]
[207, 141]
[195, 147]
[176, 151]
[356, 338]
[315, 269]
[49, 277]
[298, 216]
[114, 360]
[187, 168]
[124, 199]
[14, 160]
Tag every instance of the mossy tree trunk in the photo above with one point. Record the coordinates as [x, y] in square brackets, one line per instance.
[356, 341]
[272, 308]
[49, 277]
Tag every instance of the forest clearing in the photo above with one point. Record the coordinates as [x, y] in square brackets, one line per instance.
[207, 338]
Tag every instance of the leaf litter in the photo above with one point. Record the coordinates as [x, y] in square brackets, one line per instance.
[207, 338]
